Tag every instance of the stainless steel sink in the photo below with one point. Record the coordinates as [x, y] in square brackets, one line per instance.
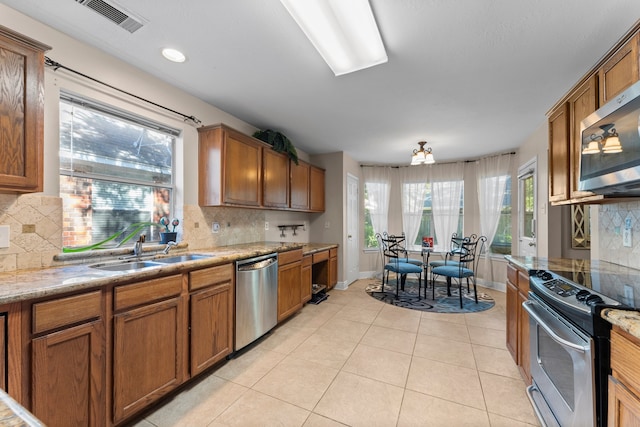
[181, 258]
[126, 266]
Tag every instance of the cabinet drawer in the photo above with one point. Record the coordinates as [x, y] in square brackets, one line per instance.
[523, 282]
[512, 275]
[210, 276]
[333, 252]
[320, 256]
[307, 260]
[146, 292]
[289, 256]
[625, 358]
[65, 311]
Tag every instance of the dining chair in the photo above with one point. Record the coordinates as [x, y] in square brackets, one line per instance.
[401, 241]
[466, 256]
[393, 254]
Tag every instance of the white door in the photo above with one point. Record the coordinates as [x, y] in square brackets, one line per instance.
[352, 257]
[527, 205]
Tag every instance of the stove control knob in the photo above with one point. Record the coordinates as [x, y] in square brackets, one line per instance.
[544, 275]
[582, 295]
[593, 300]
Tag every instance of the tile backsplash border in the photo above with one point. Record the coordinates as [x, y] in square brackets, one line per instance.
[611, 224]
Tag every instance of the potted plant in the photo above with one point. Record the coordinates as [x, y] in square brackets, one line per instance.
[279, 142]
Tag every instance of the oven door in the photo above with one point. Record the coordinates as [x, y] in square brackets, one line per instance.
[563, 391]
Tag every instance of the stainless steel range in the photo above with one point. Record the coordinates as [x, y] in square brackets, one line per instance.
[569, 351]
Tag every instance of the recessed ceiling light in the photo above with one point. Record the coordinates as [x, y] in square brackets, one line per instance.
[173, 55]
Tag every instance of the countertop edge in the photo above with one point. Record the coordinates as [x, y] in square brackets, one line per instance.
[627, 320]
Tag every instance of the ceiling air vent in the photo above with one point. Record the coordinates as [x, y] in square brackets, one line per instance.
[113, 14]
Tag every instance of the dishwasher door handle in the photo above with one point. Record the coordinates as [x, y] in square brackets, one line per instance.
[258, 265]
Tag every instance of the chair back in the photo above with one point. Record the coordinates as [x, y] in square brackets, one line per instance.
[470, 250]
[393, 247]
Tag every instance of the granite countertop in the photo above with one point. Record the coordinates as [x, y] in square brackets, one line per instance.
[30, 284]
[629, 321]
[12, 414]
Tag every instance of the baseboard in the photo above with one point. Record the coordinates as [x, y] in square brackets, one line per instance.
[341, 286]
[502, 287]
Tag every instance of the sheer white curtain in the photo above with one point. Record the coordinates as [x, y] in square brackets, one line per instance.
[377, 181]
[414, 181]
[492, 174]
[446, 189]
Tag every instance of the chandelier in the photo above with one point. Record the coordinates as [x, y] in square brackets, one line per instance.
[609, 140]
[422, 156]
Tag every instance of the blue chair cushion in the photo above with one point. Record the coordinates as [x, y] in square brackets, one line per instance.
[452, 271]
[411, 261]
[440, 263]
[403, 268]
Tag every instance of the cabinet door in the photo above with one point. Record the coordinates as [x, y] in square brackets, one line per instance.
[333, 268]
[147, 355]
[316, 189]
[512, 320]
[524, 357]
[242, 170]
[289, 280]
[275, 179]
[624, 406]
[582, 102]
[300, 185]
[21, 112]
[211, 326]
[305, 287]
[68, 376]
[620, 71]
[559, 154]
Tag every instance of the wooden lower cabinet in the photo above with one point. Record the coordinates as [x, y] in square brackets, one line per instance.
[518, 320]
[289, 283]
[333, 267]
[211, 311]
[68, 368]
[69, 376]
[147, 355]
[307, 278]
[624, 381]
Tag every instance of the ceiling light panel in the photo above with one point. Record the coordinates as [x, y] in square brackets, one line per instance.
[343, 31]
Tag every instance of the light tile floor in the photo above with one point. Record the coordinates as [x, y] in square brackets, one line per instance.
[355, 361]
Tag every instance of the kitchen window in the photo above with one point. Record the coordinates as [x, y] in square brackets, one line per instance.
[116, 169]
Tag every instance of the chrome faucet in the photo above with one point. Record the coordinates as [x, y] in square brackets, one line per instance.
[168, 247]
[137, 246]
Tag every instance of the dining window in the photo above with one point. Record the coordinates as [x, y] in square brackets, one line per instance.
[427, 226]
[116, 169]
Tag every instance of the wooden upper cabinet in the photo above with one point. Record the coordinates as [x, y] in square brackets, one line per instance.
[582, 102]
[559, 154]
[300, 186]
[316, 189]
[620, 71]
[21, 112]
[230, 168]
[275, 179]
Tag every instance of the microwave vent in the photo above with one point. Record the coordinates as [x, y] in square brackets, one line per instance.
[114, 14]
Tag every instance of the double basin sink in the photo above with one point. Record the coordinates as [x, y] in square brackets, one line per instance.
[156, 262]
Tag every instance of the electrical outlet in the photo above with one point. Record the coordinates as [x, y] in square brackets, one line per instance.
[266, 225]
[626, 238]
[327, 224]
[215, 227]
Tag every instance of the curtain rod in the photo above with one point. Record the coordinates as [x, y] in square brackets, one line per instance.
[445, 163]
[56, 65]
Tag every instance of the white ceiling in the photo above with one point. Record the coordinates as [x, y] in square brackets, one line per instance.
[471, 77]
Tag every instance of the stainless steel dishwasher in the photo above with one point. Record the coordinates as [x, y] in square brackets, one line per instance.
[256, 298]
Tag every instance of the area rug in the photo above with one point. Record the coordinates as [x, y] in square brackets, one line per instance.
[441, 304]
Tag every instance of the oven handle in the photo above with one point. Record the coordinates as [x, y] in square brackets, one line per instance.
[529, 307]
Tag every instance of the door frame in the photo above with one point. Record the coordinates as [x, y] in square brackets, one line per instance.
[352, 239]
[527, 246]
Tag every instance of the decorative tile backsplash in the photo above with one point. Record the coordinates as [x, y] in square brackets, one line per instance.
[613, 219]
[35, 224]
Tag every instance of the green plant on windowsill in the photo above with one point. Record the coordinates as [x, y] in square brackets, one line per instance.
[279, 142]
[100, 245]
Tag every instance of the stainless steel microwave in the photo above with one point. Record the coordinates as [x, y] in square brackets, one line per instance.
[610, 152]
